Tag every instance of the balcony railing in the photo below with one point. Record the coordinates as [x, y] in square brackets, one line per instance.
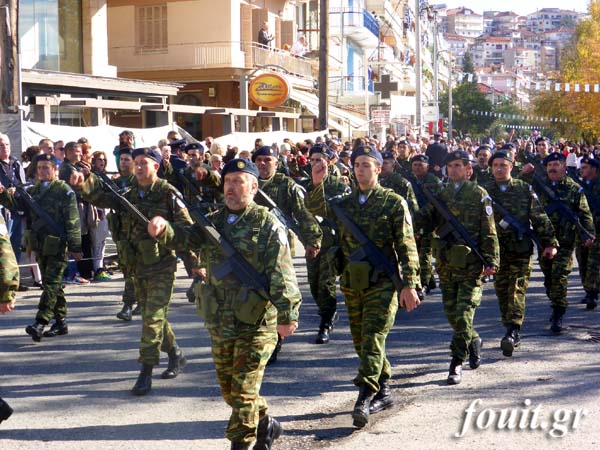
[349, 17]
[206, 55]
[349, 85]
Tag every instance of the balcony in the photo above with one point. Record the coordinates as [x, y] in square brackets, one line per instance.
[350, 86]
[206, 55]
[356, 24]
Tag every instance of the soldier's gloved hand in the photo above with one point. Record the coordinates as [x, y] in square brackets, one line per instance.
[311, 251]
[287, 330]
[409, 299]
[76, 179]
[549, 252]
[156, 226]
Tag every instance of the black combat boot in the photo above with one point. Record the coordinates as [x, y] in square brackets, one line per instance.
[360, 415]
[431, 286]
[240, 446]
[267, 431]
[176, 363]
[383, 399]
[325, 328]
[5, 410]
[585, 299]
[125, 313]
[35, 330]
[510, 341]
[455, 373]
[58, 328]
[144, 382]
[592, 301]
[137, 310]
[475, 353]
[556, 319]
[273, 357]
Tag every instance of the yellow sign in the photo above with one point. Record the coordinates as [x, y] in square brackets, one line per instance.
[269, 90]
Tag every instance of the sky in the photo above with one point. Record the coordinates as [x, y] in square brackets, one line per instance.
[520, 7]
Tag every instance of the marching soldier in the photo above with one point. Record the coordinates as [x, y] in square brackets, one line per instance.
[556, 271]
[589, 258]
[517, 198]
[482, 173]
[383, 216]
[243, 329]
[396, 182]
[153, 264]
[404, 154]
[459, 268]
[57, 199]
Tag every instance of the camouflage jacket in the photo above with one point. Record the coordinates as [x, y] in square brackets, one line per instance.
[9, 268]
[572, 196]
[261, 240]
[471, 206]
[58, 200]
[137, 249]
[405, 163]
[522, 202]
[430, 181]
[592, 188]
[482, 176]
[402, 187]
[289, 196]
[385, 219]
[115, 217]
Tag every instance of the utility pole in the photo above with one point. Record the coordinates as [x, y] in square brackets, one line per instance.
[323, 61]
[419, 69]
[9, 73]
[450, 100]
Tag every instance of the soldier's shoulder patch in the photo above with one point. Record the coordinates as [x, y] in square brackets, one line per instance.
[299, 190]
[70, 192]
[179, 203]
[281, 233]
[488, 210]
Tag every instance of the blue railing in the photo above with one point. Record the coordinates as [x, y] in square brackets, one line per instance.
[352, 17]
[370, 23]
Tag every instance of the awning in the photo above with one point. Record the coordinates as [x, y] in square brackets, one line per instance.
[338, 119]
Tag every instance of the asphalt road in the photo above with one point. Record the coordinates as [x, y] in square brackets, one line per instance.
[72, 392]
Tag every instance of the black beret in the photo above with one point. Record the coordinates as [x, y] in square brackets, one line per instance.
[590, 161]
[457, 155]
[125, 151]
[148, 152]
[387, 155]
[556, 156]
[509, 146]
[193, 146]
[366, 150]
[178, 144]
[501, 154]
[265, 150]
[345, 154]
[483, 147]
[46, 157]
[240, 165]
[420, 158]
[322, 149]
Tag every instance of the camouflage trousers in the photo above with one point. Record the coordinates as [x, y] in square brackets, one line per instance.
[460, 297]
[588, 260]
[53, 304]
[322, 274]
[128, 289]
[371, 313]
[424, 248]
[240, 360]
[556, 272]
[511, 283]
[154, 296]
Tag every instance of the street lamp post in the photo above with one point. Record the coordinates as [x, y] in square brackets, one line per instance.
[419, 69]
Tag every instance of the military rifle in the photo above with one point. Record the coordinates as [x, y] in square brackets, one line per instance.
[412, 179]
[591, 198]
[289, 222]
[44, 219]
[455, 227]
[522, 230]
[367, 251]
[557, 205]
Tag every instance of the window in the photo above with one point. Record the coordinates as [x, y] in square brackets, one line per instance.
[151, 28]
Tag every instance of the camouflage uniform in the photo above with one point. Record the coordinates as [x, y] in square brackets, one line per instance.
[460, 274]
[153, 265]
[242, 324]
[482, 176]
[589, 258]
[556, 271]
[58, 200]
[384, 218]
[9, 269]
[512, 278]
[402, 187]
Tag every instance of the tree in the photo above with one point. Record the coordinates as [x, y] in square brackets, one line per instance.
[466, 98]
[9, 94]
[468, 66]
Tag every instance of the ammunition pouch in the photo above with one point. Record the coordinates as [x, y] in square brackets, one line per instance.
[126, 253]
[438, 249]
[460, 256]
[149, 251]
[53, 246]
[356, 275]
[206, 301]
[249, 307]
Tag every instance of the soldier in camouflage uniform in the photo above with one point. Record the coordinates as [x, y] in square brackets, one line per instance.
[58, 200]
[482, 173]
[9, 282]
[322, 269]
[289, 197]
[396, 182]
[422, 177]
[534, 164]
[404, 154]
[516, 251]
[372, 304]
[458, 267]
[589, 258]
[124, 181]
[243, 326]
[153, 264]
[556, 271]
